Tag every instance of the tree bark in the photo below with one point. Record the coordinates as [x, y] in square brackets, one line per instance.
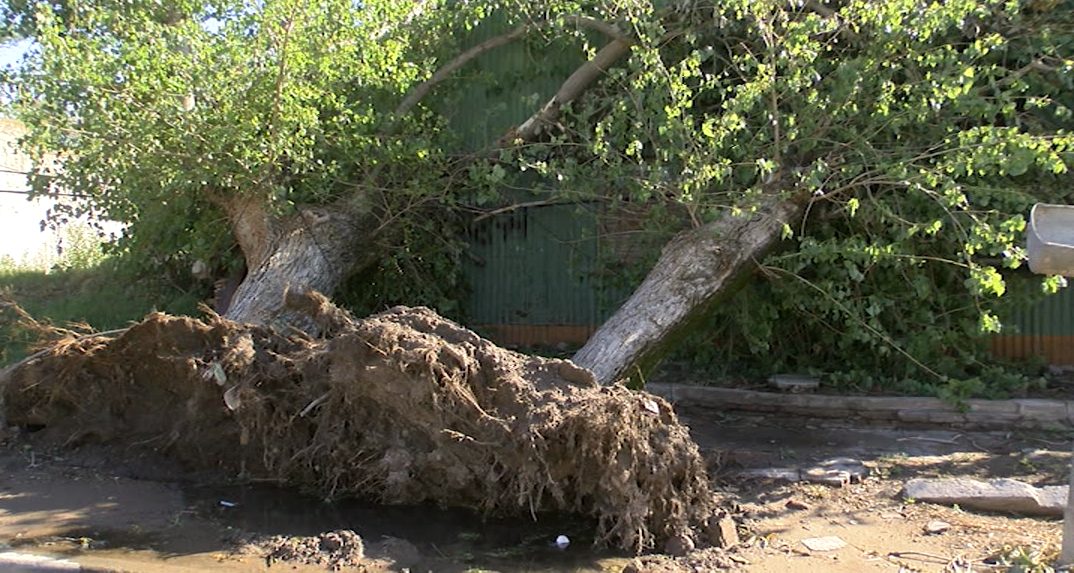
[695, 269]
[314, 248]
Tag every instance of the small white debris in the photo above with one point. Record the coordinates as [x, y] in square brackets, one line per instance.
[218, 373]
[563, 541]
[231, 398]
[226, 503]
[936, 527]
[651, 406]
[824, 543]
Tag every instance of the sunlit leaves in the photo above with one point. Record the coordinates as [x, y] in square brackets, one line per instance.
[923, 130]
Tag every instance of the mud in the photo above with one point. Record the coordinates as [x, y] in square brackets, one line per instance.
[119, 508]
[333, 550]
[404, 406]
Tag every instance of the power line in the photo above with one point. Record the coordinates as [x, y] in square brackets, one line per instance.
[13, 172]
[22, 192]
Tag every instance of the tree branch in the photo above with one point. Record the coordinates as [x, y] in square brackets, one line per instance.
[422, 89]
[830, 14]
[517, 206]
[251, 224]
[575, 86]
[600, 26]
[1016, 75]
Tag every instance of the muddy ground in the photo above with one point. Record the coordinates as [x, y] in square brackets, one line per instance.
[120, 510]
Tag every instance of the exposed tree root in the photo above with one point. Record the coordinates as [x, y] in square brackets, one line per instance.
[404, 405]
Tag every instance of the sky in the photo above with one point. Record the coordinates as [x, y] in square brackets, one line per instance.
[11, 52]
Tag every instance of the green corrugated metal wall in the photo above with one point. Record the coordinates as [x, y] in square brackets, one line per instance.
[534, 266]
[1044, 330]
[526, 74]
[531, 266]
[1052, 316]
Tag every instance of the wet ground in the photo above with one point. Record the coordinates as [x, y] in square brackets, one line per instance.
[125, 511]
[112, 521]
[106, 510]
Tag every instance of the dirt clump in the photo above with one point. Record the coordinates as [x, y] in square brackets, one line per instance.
[709, 559]
[405, 406]
[334, 550]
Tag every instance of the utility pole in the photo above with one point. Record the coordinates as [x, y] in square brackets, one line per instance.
[1051, 252]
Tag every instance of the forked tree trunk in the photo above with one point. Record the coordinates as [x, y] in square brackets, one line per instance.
[318, 246]
[695, 268]
[313, 248]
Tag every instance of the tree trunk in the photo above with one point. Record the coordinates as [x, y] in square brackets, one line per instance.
[314, 248]
[694, 269]
[318, 246]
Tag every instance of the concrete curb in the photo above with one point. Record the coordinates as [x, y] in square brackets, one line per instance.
[983, 414]
[31, 563]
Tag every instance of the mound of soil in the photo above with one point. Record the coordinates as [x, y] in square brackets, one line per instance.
[333, 550]
[405, 406]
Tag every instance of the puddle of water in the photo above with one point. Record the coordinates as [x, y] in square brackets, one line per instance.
[516, 544]
[461, 540]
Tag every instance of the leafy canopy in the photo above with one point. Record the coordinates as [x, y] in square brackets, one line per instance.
[922, 131]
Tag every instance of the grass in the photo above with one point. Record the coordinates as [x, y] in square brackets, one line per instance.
[91, 290]
[1027, 559]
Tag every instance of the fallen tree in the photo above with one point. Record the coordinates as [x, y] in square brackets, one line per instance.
[403, 406]
[320, 139]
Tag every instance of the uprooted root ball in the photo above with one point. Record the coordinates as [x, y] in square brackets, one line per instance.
[404, 405]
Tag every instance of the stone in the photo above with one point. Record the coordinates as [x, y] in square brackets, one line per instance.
[1004, 495]
[793, 382]
[679, 545]
[1054, 496]
[936, 527]
[1042, 410]
[1060, 369]
[797, 505]
[830, 543]
[17, 561]
[942, 418]
[777, 474]
[721, 531]
[837, 471]
[992, 407]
